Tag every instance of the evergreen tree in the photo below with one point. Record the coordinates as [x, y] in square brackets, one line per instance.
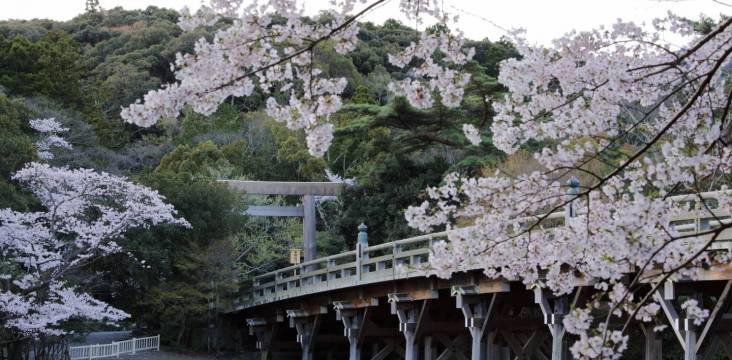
[92, 6]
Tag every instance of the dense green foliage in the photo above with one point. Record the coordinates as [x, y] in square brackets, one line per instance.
[82, 71]
[48, 67]
[16, 147]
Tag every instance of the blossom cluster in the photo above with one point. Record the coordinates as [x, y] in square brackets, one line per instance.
[335, 178]
[640, 121]
[256, 53]
[50, 129]
[85, 213]
[694, 312]
[472, 134]
[433, 75]
[636, 117]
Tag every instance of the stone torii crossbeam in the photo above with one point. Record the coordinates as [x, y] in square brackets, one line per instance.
[306, 190]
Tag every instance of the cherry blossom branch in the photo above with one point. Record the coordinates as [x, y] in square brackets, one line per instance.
[308, 48]
[688, 52]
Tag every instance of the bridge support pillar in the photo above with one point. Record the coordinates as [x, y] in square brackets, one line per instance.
[553, 316]
[264, 330]
[492, 351]
[411, 315]
[653, 344]
[429, 351]
[693, 338]
[690, 339]
[306, 324]
[354, 316]
[476, 309]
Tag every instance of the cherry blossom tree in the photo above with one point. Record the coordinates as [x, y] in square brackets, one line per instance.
[51, 130]
[637, 118]
[270, 46]
[83, 214]
[640, 121]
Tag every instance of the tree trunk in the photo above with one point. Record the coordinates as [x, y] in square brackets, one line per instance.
[181, 332]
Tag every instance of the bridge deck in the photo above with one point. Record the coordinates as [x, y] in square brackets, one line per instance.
[390, 308]
[407, 258]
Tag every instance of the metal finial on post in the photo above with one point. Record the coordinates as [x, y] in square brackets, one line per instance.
[363, 236]
[573, 186]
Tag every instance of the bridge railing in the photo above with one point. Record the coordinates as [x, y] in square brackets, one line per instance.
[389, 261]
[704, 216]
[400, 259]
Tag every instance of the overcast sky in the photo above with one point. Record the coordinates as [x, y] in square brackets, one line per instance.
[544, 20]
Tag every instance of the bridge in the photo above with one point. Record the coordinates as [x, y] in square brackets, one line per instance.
[379, 302]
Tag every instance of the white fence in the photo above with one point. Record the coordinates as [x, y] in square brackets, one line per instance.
[114, 349]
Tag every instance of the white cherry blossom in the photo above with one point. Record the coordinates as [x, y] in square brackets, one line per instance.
[50, 130]
[637, 117]
[616, 107]
[472, 134]
[256, 53]
[85, 212]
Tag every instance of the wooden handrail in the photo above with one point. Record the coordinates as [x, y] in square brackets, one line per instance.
[325, 274]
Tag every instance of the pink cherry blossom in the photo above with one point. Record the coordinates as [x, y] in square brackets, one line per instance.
[254, 53]
[39, 249]
[637, 117]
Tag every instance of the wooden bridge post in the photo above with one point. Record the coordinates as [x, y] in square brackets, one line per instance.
[553, 317]
[653, 344]
[411, 314]
[352, 328]
[691, 339]
[559, 346]
[354, 316]
[264, 330]
[476, 309]
[429, 353]
[361, 244]
[492, 351]
[306, 324]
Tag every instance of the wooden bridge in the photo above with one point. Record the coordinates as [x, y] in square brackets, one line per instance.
[378, 302]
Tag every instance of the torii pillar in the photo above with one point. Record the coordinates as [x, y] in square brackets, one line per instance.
[306, 190]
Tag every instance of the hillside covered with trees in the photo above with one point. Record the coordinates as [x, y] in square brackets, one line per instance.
[83, 71]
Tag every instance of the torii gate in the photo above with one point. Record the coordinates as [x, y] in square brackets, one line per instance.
[307, 191]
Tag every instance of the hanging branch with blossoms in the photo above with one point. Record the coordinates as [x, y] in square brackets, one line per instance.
[637, 118]
[640, 120]
[83, 214]
[270, 46]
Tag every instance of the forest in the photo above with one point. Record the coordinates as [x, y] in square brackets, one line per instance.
[574, 196]
[172, 280]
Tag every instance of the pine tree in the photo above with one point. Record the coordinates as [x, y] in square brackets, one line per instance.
[92, 6]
